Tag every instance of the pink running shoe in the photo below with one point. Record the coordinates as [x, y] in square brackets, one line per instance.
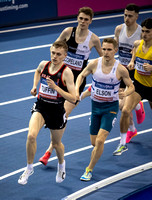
[130, 135]
[140, 114]
[45, 157]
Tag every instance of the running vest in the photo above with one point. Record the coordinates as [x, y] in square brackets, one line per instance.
[78, 54]
[126, 44]
[105, 86]
[48, 94]
[142, 76]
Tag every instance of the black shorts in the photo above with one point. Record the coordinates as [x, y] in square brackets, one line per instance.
[143, 91]
[131, 74]
[53, 114]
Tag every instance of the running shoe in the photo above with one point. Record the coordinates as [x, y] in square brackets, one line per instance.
[44, 159]
[120, 149]
[87, 175]
[61, 174]
[24, 177]
[140, 114]
[130, 135]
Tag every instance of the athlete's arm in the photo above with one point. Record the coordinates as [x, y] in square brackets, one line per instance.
[147, 67]
[88, 70]
[124, 74]
[117, 32]
[65, 35]
[132, 61]
[68, 80]
[97, 44]
[37, 77]
[86, 93]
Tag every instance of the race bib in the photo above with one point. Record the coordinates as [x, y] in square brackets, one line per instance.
[103, 92]
[139, 66]
[74, 61]
[46, 91]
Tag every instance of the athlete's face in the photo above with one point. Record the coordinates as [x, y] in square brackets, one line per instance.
[84, 21]
[146, 34]
[130, 17]
[108, 51]
[57, 55]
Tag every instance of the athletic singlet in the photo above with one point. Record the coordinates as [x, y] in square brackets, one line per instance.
[48, 94]
[126, 44]
[105, 86]
[78, 54]
[142, 76]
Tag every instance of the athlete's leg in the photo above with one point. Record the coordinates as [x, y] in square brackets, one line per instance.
[98, 149]
[130, 103]
[59, 148]
[35, 124]
[57, 144]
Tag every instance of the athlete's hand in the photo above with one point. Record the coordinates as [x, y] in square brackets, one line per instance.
[130, 66]
[34, 91]
[121, 93]
[147, 67]
[51, 83]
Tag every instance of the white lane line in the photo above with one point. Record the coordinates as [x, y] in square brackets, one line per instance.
[108, 181]
[25, 49]
[24, 99]
[16, 100]
[17, 73]
[26, 129]
[30, 71]
[69, 153]
[69, 22]
[30, 97]
[40, 46]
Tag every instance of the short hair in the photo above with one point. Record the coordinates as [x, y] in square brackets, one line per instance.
[61, 44]
[87, 11]
[147, 23]
[111, 41]
[132, 7]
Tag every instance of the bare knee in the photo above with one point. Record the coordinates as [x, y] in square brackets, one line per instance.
[56, 145]
[126, 112]
[99, 142]
[31, 138]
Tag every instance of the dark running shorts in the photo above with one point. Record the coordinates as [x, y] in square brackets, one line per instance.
[53, 114]
[143, 91]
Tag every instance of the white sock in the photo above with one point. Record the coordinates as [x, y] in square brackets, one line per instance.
[30, 166]
[132, 127]
[123, 138]
[62, 166]
[81, 96]
[138, 107]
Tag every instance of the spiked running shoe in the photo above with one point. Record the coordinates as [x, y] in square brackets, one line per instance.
[61, 174]
[24, 177]
[140, 114]
[87, 175]
[130, 135]
[120, 149]
[45, 157]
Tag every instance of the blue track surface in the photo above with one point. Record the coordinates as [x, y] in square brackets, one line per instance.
[15, 56]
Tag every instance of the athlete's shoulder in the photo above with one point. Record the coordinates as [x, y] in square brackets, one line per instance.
[65, 34]
[94, 37]
[42, 65]
[137, 43]
[119, 28]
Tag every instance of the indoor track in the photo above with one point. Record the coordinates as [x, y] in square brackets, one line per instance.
[21, 50]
